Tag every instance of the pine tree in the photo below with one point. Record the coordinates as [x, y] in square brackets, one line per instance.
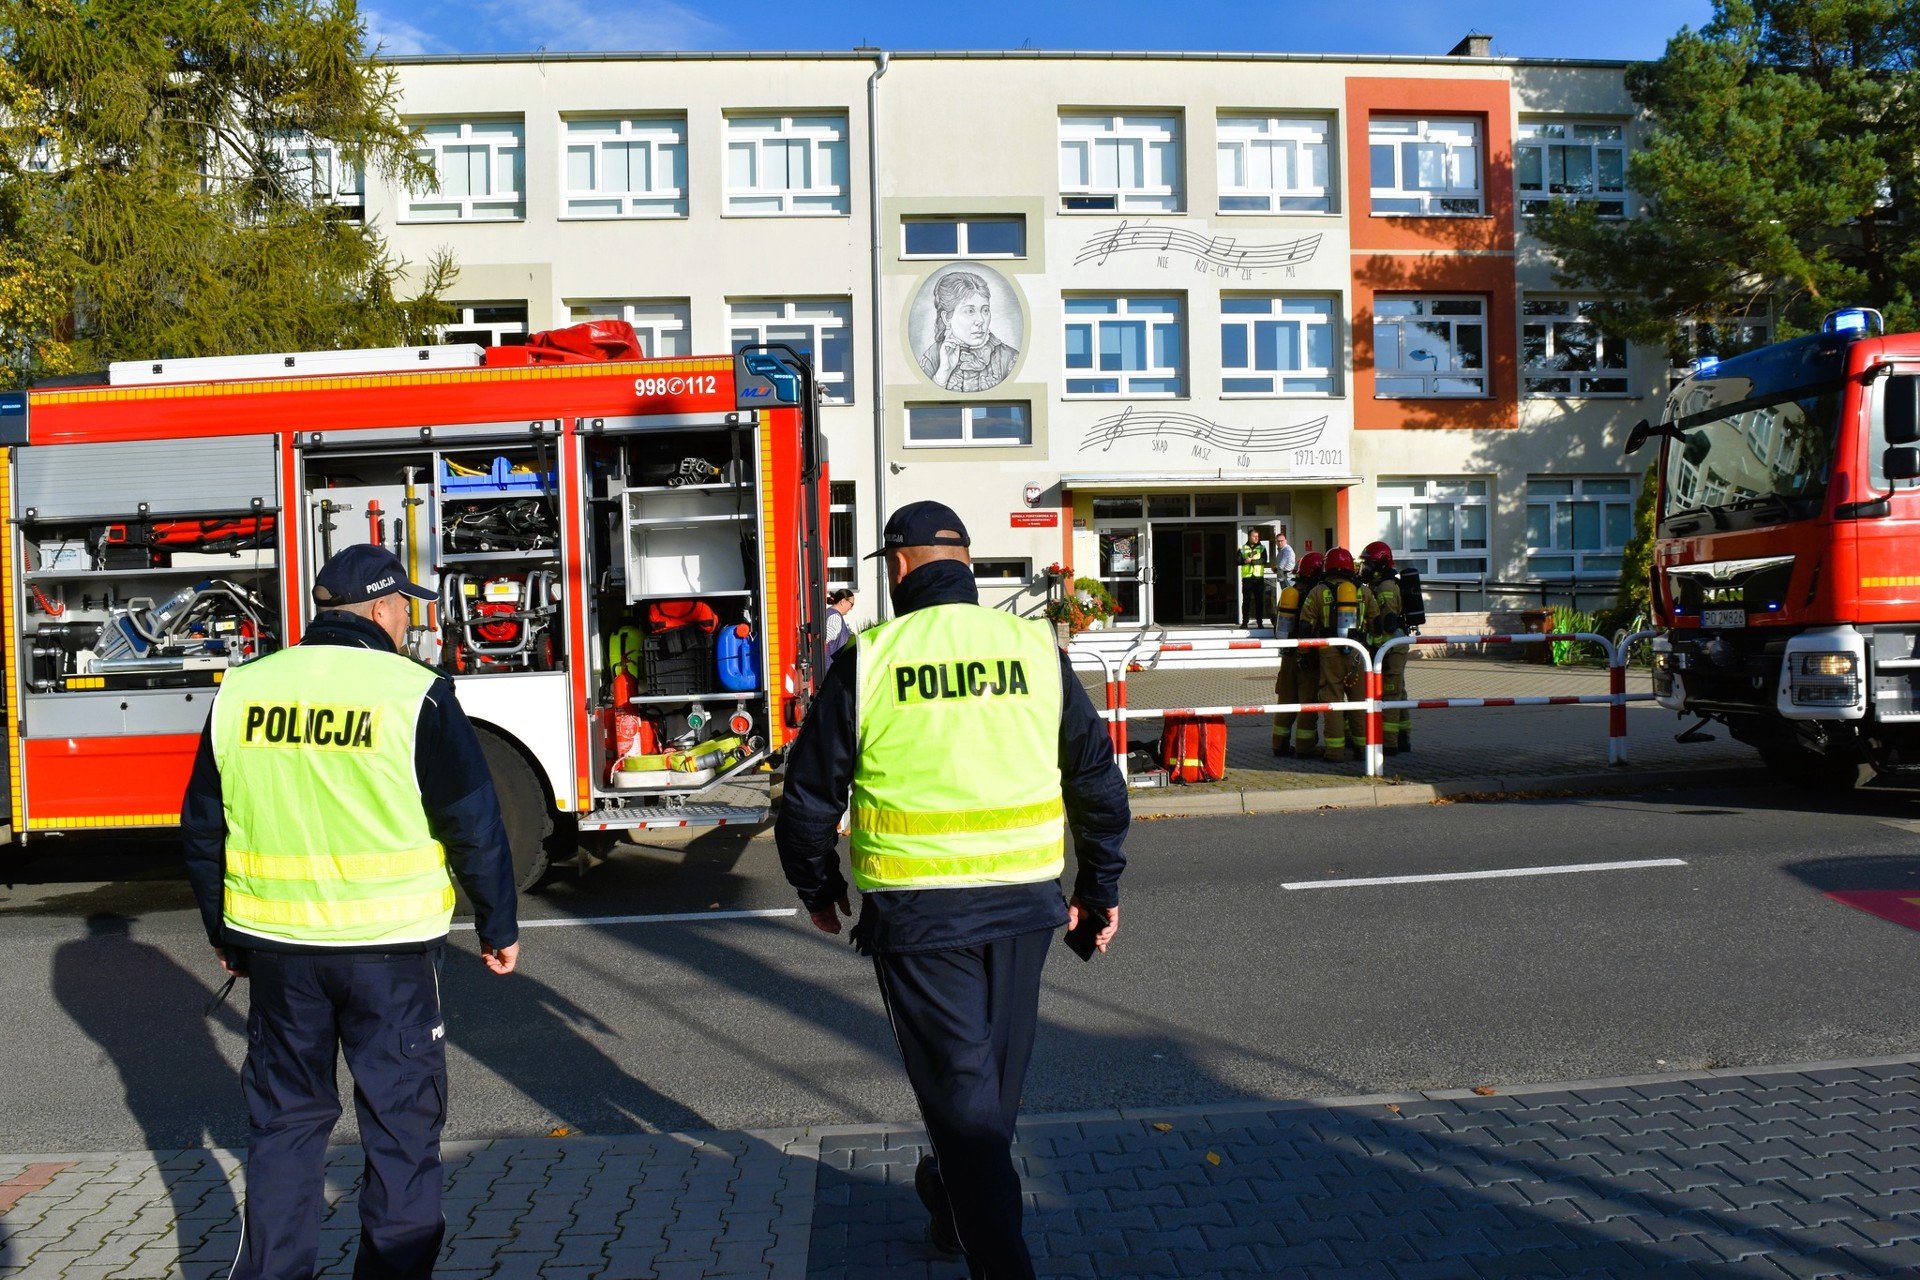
[157, 195]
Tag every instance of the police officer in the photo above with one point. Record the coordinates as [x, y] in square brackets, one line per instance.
[1376, 570]
[336, 783]
[1253, 580]
[1298, 680]
[970, 749]
[1341, 605]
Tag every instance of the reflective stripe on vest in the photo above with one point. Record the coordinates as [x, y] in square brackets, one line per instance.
[327, 841]
[957, 779]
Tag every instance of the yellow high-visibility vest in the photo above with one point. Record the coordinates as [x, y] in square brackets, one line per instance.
[327, 841]
[956, 779]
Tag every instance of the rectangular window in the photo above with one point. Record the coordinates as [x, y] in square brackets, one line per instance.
[1424, 166]
[491, 324]
[1273, 164]
[821, 328]
[1578, 526]
[1563, 354]
[479, 169]
[315, 170]
[1428, 346]
[1125, 345]
[1273, 345]
[1122, 164]
[663, 325]
[787, 165]
[954, 424]
[1003, 573]
[625, 167]
[1437, 525]
[842, 567]
[1571, 160]
[963, 237]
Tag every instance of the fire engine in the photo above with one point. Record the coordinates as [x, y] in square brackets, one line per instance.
[1786, 572]
[627, 564]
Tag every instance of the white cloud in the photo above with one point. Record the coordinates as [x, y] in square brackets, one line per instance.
[557, 26]
[397, 38]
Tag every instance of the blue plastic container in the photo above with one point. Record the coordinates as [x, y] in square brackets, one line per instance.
[500, 477]
[737, 651]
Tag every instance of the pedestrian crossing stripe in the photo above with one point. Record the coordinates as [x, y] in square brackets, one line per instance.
[1909, 580]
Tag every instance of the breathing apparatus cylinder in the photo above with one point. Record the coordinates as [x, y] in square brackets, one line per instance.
[1288, 609]
[1346, 607]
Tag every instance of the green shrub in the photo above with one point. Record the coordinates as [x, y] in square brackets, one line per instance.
[1570, 653]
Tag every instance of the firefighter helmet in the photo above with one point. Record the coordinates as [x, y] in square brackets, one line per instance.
[1340, 560]
[1309, 567]
[1378, 557]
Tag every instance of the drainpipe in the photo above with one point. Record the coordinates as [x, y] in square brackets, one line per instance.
[878, 359]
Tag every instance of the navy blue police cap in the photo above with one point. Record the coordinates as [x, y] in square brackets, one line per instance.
[922, 524]
[361, 573]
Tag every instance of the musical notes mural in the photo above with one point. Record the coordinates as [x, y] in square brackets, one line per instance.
[1158, 425]
[1223, 255]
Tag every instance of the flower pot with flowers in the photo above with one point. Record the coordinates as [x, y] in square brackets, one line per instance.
[1089, 604]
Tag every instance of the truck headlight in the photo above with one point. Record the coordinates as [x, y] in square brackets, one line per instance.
[1662, 673]
[1823, 679]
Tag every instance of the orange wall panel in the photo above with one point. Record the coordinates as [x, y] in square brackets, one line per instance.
[80, 779]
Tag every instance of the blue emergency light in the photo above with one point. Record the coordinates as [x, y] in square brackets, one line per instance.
[1703, 366]
[1853, 320]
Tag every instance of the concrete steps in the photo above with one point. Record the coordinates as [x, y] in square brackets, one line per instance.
[1210, 647]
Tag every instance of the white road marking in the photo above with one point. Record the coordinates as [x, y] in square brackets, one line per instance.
[1489, 875]
[680, 918]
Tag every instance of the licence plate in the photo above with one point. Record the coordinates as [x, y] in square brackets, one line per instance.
[1723, 617]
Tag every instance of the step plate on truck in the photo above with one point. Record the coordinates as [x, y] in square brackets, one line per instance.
[673, 815]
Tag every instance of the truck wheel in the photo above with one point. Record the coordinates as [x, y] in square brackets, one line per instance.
[523, 808]
[1809, 770]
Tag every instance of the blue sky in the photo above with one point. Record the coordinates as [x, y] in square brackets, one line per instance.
[1520, 28]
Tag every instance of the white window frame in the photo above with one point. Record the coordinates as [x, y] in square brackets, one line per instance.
[1303, 322]
[822, 137]
[1536, 140]
[750, 321]
[664, 140]
[961, 238]
[664, 325]
[1292, 139]
[1558, 548]
[1537, 377]
[1084, 134]
[843, 570]
[1432, 379]
[319, 159]
[1461, 164]
[1123, 314]
[500, 332]
[970, 411]
[1000, 580]
[1413, 500]
[504, 141]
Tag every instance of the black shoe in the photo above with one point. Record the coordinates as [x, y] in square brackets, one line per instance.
[1392, 747]
[1283, 748]
[1406, 740]
[933, 1194]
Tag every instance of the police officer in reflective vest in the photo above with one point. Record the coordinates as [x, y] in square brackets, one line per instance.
[1376, 570]
[1253, 581]
[337, 784]
[970, 749]
[1342, 606]
[1298, 679]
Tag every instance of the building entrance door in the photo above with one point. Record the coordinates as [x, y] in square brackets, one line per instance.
[1124, 569]
[1196, 577]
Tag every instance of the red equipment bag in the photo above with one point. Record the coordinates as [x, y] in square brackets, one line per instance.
[670, 615]
[594, 341]
[1194, 748]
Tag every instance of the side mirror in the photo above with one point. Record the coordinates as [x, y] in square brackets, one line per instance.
[1637, 437]
[1902, 462]
[1903, 409]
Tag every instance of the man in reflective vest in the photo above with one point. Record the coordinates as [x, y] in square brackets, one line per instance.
[337, 783]
[969, 749]
[1253, 581]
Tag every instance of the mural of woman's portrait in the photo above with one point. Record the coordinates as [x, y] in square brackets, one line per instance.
[967, 326]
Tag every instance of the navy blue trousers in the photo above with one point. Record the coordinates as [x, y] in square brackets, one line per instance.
[965, 1020]
[382, 1011]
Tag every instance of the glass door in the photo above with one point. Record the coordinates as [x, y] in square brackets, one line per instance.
[1123, 570]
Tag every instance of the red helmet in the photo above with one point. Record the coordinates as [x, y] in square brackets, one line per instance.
[1340, 560]
[1309, 567]
[1377, 556]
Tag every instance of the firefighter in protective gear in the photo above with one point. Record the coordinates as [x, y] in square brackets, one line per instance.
[1298, 679]
[1340, 605]
[1253, 580]
[1376, 570]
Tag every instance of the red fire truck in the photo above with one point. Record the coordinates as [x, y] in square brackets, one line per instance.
[627, 564]
[1787, 568]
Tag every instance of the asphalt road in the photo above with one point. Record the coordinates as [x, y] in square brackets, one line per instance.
[1223, 984]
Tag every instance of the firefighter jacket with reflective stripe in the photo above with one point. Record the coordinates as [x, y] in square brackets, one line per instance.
[1391, 621]
[957, 775]
[1319, 613]
[328, 843]
[1253, 560]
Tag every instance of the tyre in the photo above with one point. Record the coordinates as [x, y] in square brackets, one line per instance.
[1807, 770]
[523, 808]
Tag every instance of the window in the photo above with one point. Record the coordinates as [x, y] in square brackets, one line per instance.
[842, 567]
[315, 170]
[1565, 355]
[1571, 160]
[1429, 346]
[1124, 346]
[1125, 164]
[1578, 526]
[1437, 525]
[963, 238]
[1424, 166]
[820, 328]
[663, 326]
[491, 324]
[626, 167]
[1003, 573]
[787, 164]
[1272, 345]
[479, 171]
[1273, 164]
[952, 425]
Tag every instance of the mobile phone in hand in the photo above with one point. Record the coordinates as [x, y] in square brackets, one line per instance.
[1080, 938]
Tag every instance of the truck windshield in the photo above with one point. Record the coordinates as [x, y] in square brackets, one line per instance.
[1740, 450]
